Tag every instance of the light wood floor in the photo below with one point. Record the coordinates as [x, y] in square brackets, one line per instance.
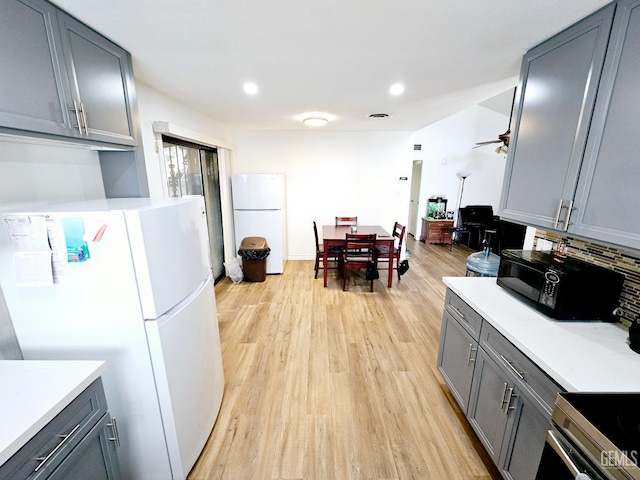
[326, 384]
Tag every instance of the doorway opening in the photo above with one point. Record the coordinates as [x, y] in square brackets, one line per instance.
[414, 197]
[192, 169]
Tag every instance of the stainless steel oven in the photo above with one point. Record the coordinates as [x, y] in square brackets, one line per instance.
[593, 437]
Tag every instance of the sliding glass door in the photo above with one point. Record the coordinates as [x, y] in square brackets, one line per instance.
[193, 170]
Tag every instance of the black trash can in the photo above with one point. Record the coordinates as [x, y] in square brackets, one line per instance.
[254, 252]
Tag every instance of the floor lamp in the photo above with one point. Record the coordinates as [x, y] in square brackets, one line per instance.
[462, 176]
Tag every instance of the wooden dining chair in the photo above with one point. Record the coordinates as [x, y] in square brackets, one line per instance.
[383, 251]
[333, 255]
[349, 221]
[359, 250]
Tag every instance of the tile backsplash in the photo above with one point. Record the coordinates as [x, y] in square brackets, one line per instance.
[626, 262]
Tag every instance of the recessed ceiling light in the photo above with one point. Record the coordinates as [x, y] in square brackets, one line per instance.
[396, 89]
[250, 88]
[379, 115]
[315, 121]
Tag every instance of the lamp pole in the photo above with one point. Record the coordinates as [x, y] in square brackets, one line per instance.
[462, 176]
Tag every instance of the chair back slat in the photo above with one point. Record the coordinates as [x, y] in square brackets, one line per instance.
[348, 221]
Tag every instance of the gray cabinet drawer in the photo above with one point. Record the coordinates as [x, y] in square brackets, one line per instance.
[58, 437]
[523, 371]
[463, 313]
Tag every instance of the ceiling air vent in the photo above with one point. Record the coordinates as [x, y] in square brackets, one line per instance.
[379, 115]
[417, 148]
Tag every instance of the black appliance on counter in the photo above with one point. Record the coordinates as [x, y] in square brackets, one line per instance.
[563, 288]
[593, 436]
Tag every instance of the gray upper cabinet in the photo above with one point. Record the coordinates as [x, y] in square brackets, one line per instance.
[101, 83]
[60, 77]
[34, 88]
[556, 95]
[607, 199]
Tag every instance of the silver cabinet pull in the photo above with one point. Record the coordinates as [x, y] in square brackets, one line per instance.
[554, 443]
[504, 394]
[560, 207]
[507, 401]
[76, 110]
[513, 369]
[116, 434]
[44, 460]
[84, 119]
[569, 210]
[460, 314]
[471, 350]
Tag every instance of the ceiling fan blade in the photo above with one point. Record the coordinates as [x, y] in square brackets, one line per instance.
[480, 144]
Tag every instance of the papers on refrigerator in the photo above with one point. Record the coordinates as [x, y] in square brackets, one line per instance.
[31, 249]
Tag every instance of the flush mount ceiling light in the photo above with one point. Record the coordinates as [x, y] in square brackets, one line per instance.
[396, 89]
[315, 121]
[250, 88]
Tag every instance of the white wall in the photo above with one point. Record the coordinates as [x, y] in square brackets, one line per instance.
[154, 106]
[447, 150]
[34, 170]
[331, 173]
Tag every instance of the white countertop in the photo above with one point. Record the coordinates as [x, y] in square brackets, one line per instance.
[580, 356]
[33, 392]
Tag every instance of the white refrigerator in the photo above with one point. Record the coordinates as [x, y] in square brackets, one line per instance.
[258, 202]
[127, 281]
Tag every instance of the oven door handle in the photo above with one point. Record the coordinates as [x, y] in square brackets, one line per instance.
[554, 443]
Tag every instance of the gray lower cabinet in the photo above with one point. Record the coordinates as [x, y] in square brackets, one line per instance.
[94, 458]
[505, 396]
[60, 77]
[488, 413]
[78, 444]
[455, 367]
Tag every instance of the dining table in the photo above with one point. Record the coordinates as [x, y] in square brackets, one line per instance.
[335, 235]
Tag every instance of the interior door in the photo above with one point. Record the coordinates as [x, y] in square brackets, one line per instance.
[414, 197]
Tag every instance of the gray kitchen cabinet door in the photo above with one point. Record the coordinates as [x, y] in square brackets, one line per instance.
[34, 89]
[456, 358]
[607, 201]
[101, 83]
[523, 443]
[487, 412]
[94, 458]
[556, 94]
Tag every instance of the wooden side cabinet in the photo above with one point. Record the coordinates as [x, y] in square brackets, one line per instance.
[436, 231]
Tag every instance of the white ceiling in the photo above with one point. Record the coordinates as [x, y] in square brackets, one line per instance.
[333, 56]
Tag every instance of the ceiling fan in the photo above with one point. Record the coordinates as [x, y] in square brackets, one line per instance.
[503, 138]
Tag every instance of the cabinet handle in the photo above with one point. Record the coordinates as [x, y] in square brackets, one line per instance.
[504, 394]
[471, 350]
[84, 119]
[569, 210]
[560, 207]
[116, 434]
[507, 402]
[76, 110]
[460, 314]
[44, 460]
[513, 369]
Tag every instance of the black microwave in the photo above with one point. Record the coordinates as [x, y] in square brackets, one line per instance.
[563, 288]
